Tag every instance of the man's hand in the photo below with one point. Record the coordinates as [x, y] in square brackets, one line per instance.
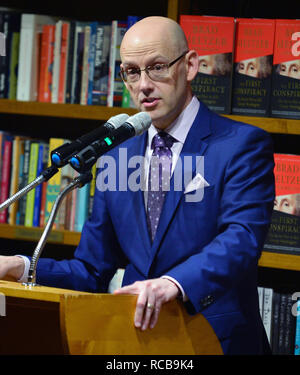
[11, 267]
[151, 295]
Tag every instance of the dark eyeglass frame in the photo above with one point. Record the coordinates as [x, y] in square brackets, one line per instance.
[138, 70]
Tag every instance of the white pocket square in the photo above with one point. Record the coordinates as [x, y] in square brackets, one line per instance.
[197, 182]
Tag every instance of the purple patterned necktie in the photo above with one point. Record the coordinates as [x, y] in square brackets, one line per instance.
[159, 178]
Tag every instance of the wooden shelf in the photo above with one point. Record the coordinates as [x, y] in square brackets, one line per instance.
[281, 261]
[271, 124]
[76, 111]
[64, 237]
[19, 232]
[93, 112]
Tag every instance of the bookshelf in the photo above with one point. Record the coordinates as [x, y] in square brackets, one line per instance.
[100, 113]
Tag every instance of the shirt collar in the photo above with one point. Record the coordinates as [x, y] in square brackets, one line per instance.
[180, 127]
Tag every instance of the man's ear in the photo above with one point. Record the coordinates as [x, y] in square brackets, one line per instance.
[192, 61]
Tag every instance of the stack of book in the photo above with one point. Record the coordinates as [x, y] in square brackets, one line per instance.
[280, 313]
[23, 159]
[253, 62]
[61, 61]
[247, 66]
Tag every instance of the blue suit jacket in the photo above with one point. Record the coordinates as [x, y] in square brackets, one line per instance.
[211, 247]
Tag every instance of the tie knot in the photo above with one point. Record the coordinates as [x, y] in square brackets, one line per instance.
[162, 139]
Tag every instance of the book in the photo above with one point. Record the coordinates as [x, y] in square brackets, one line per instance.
[5, 174]
[28, 72]
[82, 205]
[85, 65]
[23, 180]
[10, 28]
[77, 63]
[279, 319]
[13, 66]
[286, 70]
[53, 185]
[56, 62]
[115, 83]
[213, 39]
[43, 154]
[32, 173]
[64, 50]
[284, 232]
[254, 45]
[17, 153]
[91, 62]
[297, 333]
[101, 64]
[70, 61]
[267, 311]
[46, 63]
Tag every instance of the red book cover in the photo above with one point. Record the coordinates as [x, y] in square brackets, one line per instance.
[46, 63]
[286, 70]
[213, 39]
[254, 45]
[5, 180]
[284, 233]
[63, 62]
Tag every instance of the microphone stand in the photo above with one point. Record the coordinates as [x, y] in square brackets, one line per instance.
[79, 181]
[44, 176]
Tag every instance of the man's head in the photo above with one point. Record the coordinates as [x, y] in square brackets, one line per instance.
[156, 42]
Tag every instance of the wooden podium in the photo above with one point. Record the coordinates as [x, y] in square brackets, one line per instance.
[43, 320]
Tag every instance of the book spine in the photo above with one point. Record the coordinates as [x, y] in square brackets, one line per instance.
[5, 180]
[92, 190]
[297, 330]
[63, 62]
[13, 30]
[112, 62]
[267, 311]
[24, 182]
[70, 61]
[53, 185]
[56, 63]
[33, 160]
[2, 59]
[275, 322]
[25, 64]
[85, 66]
[78, 67]
[16, 151]
[82, 207]
[91, 62]
[42, 96]
[42, 162]
[14, 59]
[101, 68]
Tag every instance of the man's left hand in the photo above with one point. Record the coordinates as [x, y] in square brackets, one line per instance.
[151, 295]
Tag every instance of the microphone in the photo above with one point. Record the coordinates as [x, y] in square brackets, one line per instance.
[61, 155]
[135, 125]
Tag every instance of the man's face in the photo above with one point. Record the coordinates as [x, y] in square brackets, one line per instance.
[163, 99]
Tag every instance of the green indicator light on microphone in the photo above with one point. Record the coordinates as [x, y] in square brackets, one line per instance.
[108, 141]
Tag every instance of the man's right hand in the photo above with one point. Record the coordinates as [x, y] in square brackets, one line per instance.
[11, 267]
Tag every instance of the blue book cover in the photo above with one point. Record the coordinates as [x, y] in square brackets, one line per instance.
[42, 163]
[82, 206]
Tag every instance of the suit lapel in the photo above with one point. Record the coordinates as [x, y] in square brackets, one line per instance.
[194, 146]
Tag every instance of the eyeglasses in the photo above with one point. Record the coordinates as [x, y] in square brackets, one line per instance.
[156, 72]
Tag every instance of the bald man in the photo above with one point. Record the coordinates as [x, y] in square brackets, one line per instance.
[200, 242]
